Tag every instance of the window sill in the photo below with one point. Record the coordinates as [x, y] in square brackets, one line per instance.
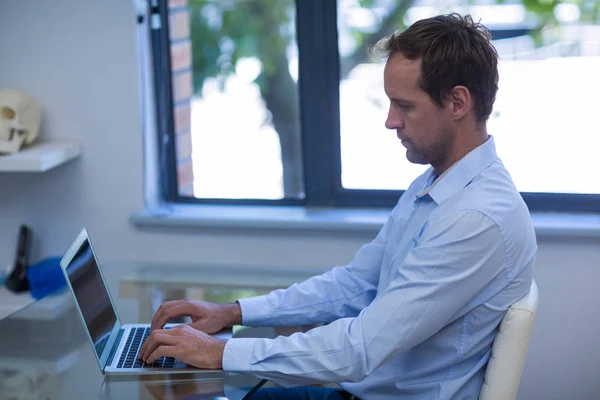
[263, 218]
[343, 221]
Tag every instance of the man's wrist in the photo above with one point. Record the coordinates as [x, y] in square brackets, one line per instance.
[234, 313]
[220, 350]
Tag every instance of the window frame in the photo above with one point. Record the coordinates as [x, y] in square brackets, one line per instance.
[317, 41]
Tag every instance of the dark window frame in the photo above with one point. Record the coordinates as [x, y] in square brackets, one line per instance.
[320, 127]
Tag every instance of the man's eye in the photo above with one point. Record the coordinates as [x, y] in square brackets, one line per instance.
[403, 106]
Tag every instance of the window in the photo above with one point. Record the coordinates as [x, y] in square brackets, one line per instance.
[275, 101]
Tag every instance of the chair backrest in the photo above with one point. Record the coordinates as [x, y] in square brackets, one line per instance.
[505, 367]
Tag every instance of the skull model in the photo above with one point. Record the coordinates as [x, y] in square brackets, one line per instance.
[20, 120]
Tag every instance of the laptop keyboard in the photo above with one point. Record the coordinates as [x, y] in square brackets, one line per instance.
[129, 358]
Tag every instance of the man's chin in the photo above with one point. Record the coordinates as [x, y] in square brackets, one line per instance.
[415, 159]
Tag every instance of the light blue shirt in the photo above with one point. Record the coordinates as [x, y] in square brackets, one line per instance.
[414, 315]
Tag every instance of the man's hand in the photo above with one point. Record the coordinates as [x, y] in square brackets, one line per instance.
[185, 344]
[206, 317]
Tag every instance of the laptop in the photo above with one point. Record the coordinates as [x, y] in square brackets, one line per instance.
[115, 345]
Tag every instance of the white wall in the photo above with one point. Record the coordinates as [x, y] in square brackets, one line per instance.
[79, 59]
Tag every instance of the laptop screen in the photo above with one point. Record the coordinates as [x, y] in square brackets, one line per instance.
[92, 296]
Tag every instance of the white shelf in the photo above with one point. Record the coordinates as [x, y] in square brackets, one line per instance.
[40, 157]
[11, 302]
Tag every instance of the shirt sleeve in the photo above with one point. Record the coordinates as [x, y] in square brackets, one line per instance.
[457, 258]
[340, 292]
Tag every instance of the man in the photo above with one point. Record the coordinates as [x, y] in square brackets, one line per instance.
[414, 315]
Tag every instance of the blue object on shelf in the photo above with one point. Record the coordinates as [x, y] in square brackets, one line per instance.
[45, 277]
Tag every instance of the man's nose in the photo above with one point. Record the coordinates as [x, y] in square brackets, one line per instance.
[394, 120]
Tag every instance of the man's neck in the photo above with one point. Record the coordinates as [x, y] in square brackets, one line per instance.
[462, 146]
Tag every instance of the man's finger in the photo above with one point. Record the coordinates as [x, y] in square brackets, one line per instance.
[156, 338]
[164, 350]
[177, 309]
[160, 313]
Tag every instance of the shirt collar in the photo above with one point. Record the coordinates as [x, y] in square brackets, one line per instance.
[460, 174]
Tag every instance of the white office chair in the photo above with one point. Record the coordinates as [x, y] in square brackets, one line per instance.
[505, 367]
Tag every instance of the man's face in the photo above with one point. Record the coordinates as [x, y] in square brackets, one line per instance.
[424, 128]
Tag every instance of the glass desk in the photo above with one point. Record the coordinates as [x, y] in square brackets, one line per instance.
[45, 354]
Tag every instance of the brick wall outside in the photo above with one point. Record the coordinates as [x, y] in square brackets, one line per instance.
[181, 66]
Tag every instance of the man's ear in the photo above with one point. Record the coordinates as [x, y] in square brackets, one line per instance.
[461, 101]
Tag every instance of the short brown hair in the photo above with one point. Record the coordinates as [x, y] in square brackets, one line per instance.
[453, 50]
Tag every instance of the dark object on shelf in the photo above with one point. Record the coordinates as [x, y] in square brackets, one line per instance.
[17, 280]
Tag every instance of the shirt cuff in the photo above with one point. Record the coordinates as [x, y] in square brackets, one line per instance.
[255, 310]
[237, 355]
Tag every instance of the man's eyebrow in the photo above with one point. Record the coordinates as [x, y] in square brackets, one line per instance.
[400, 100]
